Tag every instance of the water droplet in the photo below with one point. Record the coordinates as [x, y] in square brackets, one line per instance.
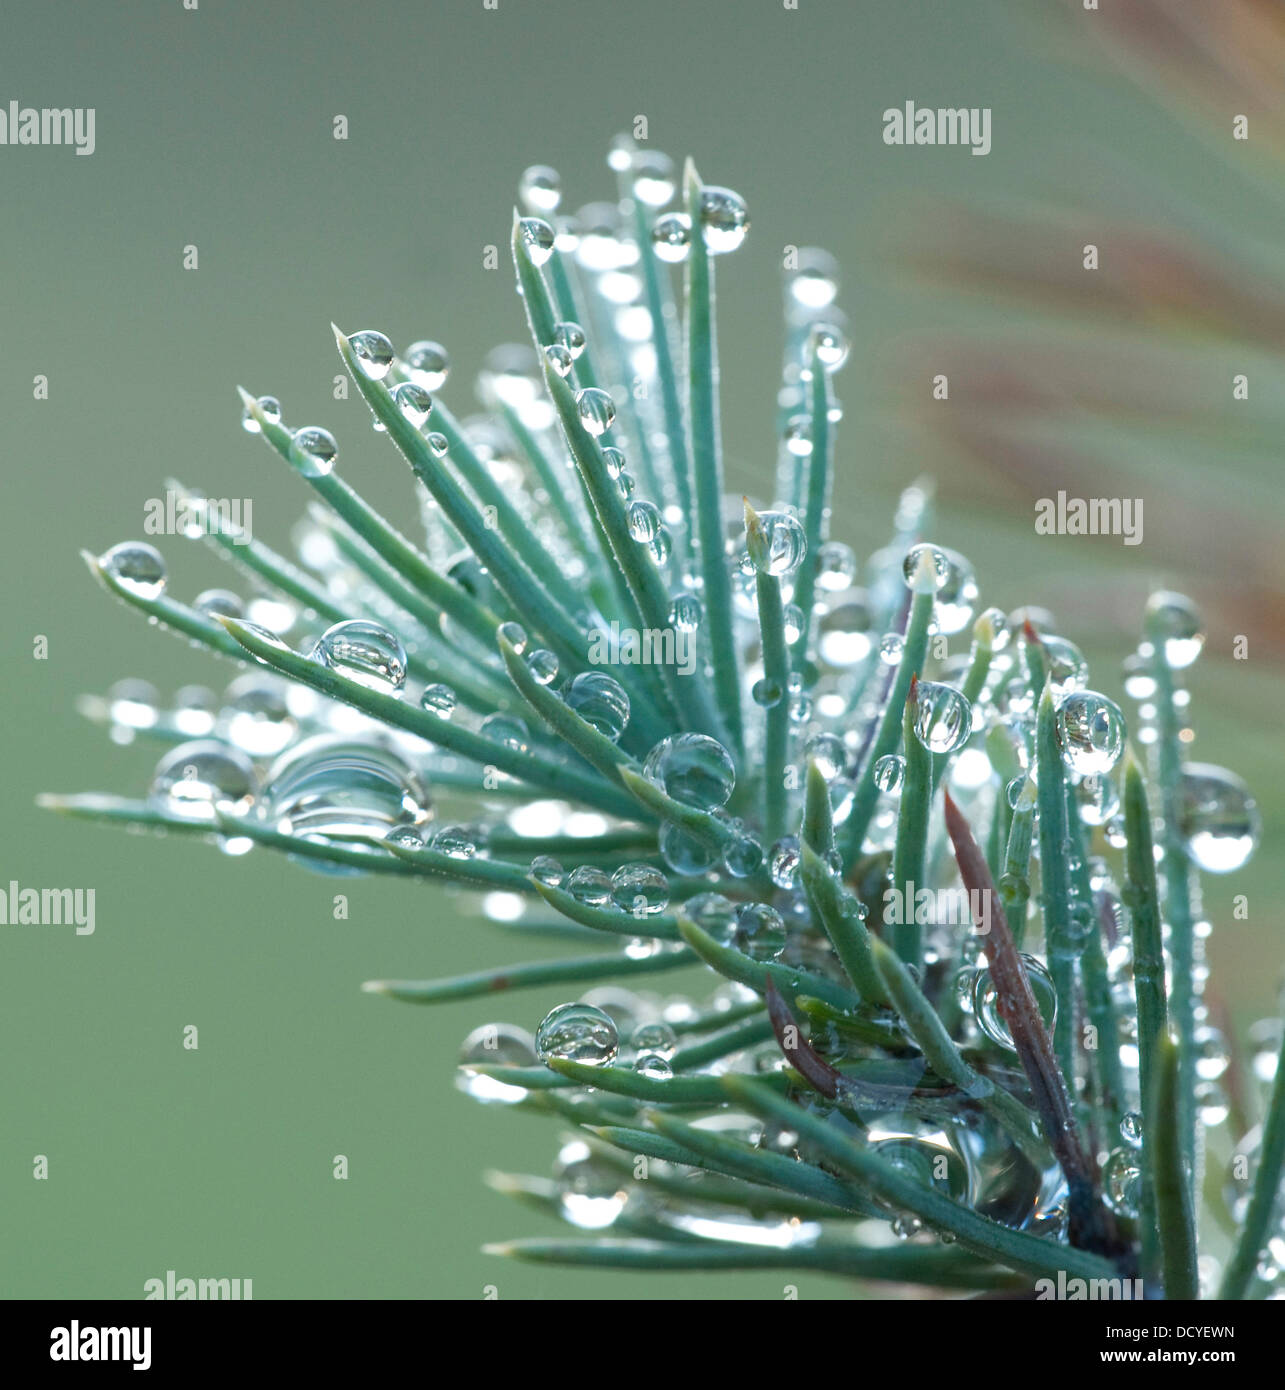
[814, 285]
[742, 855]
[891, 646]
[577, 1033]
[783, 861]
[495, 1045]
[137, 567]
[785, 544]
[654, 181]
[671, 237]
[219, 603]
[1175, 620]
[543, 666]
[428, 364]
[944, 721]
[1064, 666]
[685, 612]
[507, 730]
[438, 699]
[1131, 1128]
[364, 652]
[589, 885]
[640, 890]
[601, 701]
[836, 567]
[538, 238]
[1122, 1181]
[1218, 818]
[986, 1001]
[257, 717]
[590, 1191]
[374, 353]
[724, 219]
[829, 344]
[330, 785]
[798, 436]
[455, 841]
[1091, 733]
[438, 443]
[596, 409]
[644, 521]
[829, 754]
[269, 406]
[759, 932]
[545, 869]
[692, 768]
[713, 913]
[1098, 799]
[540, 188]
[317, 451]
[558, 358]
[515, 635]
[890, 772]
[197, 779]
[414, 402]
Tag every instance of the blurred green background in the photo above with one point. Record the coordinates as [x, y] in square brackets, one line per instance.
[214, 129]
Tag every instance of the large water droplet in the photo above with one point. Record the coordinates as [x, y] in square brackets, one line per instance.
[414, 402]
[577, 1033]
[538, 238]
[495, 1045]
[1122, 1181]
[257, 716]
[197, 779]
[640, 890]
[137, 567]
[986, 1001]
[1218, 818]
[944, 720]
[786, 543]
[653, 174]
[374, 353]
[692, 768]
[317, 451]
[759, 932]
[601, 701]
[438, 699]
[269, 406]
[540, 188]
[428, 364]
[596, 409]
[364, 652]
[671, 237]
[724, 219]
[829, 344]
[1090, 732]
[889, 772]
[1174, 620]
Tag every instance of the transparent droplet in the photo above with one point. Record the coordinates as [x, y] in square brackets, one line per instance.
[577, 1033]
[742, 855]
[986, 1001]
[1131, 1128]
[671, 237]
[438, 443]
[545, 869]
[438, 699]
[891, 646]
[1098, 799]
[724, 219]
[428, 364]
[1218, 818]
[596, 409]
[759, 932]
[540, 189]
[683, 853]
[713, 913]
[558, 358]
[829, 345]
[374, 353]
[507, 730]
[1175, 620]
[495, 1045]
[317, 451]
[814, 285]
[256, 715]
[890, 772]
[137, 567]
[785, 543]
[692, 768]
[198, 779]
[644, 521]
[640, 890]
[601, 701]
[269, 406]
[1064, 666]
[414, 402]
[944, 721]
[798, 436]
[654, 181]
[685, 612]
[1090, 732]
[589, 885]
[783, 861]
[364, 652]
[829, 754]
[836, 567]
[570, 336]
[591, 1192]
[1122, 1181]
[515, 635]
[538, 238]
[219, 603]
[330, 785]
[543, 666]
